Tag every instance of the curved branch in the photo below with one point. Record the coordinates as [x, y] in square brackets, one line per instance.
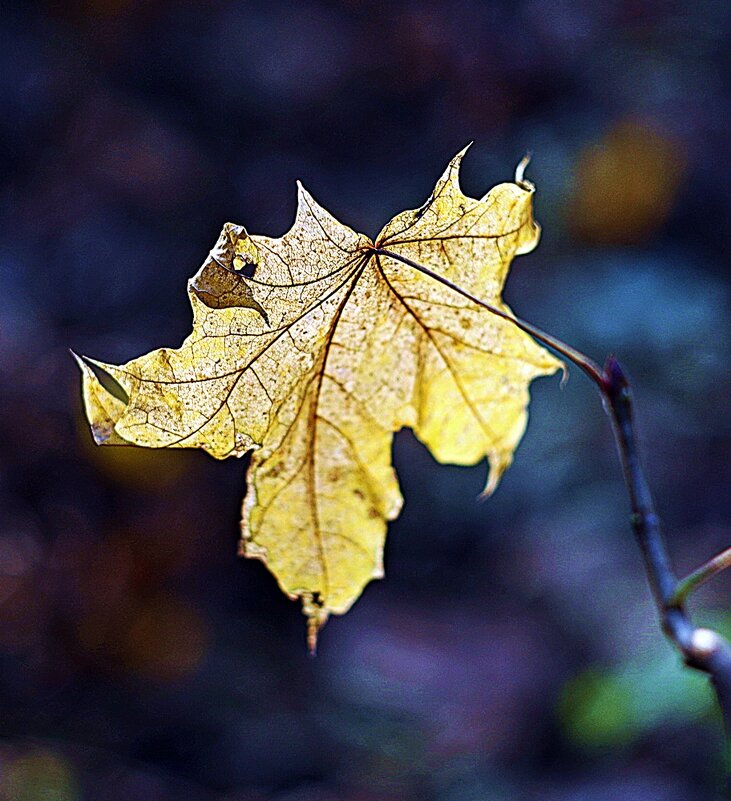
[701, 648]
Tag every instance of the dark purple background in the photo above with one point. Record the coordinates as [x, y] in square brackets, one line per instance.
[512, 651]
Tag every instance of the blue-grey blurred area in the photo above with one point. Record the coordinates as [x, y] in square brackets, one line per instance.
[512, 652]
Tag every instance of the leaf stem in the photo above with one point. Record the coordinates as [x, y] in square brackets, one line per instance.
[581, 360]
[701, 575]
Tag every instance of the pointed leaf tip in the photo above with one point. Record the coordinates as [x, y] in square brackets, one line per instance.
[313, 628]
[564, 375]
[78, 359]
[520, 172]
[306, 206]
[103, 409]
[317, 614]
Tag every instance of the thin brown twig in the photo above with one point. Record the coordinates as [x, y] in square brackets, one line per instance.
[701, 575]
[701, 648]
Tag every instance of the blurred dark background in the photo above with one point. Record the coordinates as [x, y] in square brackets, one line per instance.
[512, 652]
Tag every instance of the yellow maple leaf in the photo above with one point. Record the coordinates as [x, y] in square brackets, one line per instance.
[314, 348]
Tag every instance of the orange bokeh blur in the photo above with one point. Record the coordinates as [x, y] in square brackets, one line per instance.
[625, 184]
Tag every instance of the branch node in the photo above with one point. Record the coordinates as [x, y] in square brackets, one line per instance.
[704, 643]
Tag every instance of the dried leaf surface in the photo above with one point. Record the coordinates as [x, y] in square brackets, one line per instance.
[314, 348]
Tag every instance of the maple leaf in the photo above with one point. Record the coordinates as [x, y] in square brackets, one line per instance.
[311, 350]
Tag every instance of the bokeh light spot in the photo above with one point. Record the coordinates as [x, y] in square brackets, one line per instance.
[38, 776]
[166, 640]
[625, 185]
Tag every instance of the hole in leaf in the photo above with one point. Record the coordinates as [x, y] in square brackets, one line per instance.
[248, 269]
